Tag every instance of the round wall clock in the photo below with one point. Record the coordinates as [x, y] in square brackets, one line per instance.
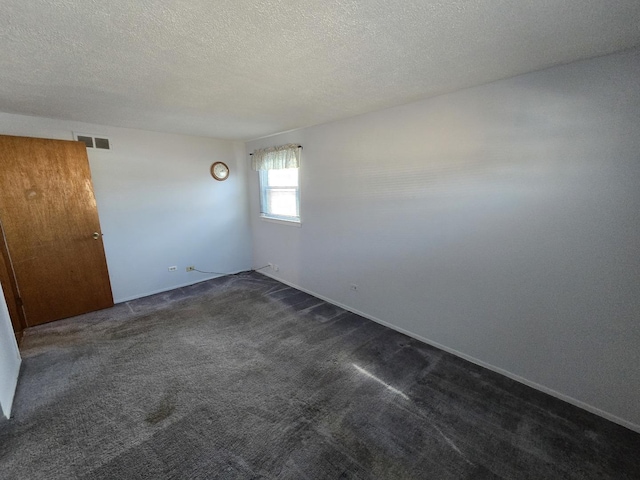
[219, 171]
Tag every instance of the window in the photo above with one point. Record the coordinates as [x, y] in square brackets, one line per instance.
[280, 194]
[279, 188]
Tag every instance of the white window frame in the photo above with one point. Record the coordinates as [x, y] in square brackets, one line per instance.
[263, 199]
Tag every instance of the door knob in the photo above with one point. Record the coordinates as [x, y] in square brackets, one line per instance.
[96, 235]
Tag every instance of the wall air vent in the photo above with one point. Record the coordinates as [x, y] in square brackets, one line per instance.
[93, 141]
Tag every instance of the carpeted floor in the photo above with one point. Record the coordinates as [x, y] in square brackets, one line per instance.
[243, 377]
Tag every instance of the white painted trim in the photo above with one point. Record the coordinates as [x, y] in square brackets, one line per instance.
[10, 360]
[6, 406]
[168, 289]
[512, 376]
[281, 221]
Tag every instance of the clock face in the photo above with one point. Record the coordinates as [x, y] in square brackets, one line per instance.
[219, 171]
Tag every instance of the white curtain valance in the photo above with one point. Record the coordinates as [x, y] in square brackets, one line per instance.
[276, 158]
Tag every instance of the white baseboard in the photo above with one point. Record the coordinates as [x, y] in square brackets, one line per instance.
[168, 289]
[578, 403]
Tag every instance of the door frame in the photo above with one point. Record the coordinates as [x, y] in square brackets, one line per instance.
[10, 289]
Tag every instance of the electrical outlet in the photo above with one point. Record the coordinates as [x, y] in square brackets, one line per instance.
[353, 287]
[173, 269]
[191, 268]
[276, 268]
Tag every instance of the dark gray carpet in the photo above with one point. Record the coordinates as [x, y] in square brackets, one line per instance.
[243, 377]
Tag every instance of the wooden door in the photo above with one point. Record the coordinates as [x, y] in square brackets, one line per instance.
[52, 231]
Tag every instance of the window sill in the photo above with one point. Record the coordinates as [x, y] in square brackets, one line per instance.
[282, 221]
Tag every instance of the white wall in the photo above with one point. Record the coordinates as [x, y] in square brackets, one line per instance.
[501, 222]
[9, 359]
[158, 204]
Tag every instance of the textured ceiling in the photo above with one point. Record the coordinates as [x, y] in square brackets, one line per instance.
[242, 69]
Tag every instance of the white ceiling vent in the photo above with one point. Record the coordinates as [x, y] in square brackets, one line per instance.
[93, 141]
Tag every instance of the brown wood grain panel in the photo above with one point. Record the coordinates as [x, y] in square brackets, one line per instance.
[49, 214]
